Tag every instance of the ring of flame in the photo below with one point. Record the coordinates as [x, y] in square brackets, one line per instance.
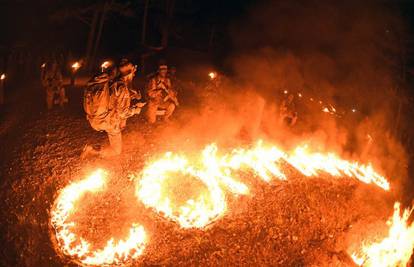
[194, 213]
[78, 248]
[216, 173]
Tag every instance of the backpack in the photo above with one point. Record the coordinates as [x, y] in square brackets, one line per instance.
[96, 97]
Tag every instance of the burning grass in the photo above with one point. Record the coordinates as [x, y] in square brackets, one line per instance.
[165, 185]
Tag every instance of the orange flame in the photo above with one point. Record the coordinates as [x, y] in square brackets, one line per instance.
[218, 174]
[393, 250]
[212, 75]
[105, 65]
[76, 66]
[3, 77]
[71, 245]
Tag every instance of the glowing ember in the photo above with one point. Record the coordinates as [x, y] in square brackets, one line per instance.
[218, 174]
[43, 65]
[77, 247]
[393, 250]
[3, 77]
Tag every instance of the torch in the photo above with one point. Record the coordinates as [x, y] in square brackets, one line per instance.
[212, 75]
[2, 80]
[105, 65]
[75, 67]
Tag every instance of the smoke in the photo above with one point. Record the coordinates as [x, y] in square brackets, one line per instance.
[343, 54]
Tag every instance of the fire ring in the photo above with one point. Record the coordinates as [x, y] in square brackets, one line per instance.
[79, 249]
[195, 213]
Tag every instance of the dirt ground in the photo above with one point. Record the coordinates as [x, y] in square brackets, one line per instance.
[300, 222]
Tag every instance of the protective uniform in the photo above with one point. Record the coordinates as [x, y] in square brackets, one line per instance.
[161, 97]
[288, 114]
[212, 92]
[118, 113]
[52, 81]
[113, 121]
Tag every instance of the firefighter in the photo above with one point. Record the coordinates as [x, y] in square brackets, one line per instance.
[288, 114]
[161, 95]
[108, 105]
[52, 81]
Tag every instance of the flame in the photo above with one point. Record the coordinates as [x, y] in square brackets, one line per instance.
[196, 212]
[43, 65]
[212, 75]
[219, 172]
[3, 77]
[76, 66]
[78, 248]
[393, 250]
[105, 65]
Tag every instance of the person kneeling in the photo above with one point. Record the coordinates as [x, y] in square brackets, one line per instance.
[107, 102]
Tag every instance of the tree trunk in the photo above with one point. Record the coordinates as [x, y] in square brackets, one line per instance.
[105, 8]
[211, 39]
[144, 23]
[169, 10]
[91, 37]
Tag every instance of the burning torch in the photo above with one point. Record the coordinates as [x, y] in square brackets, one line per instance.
[2, 79]
[75, 66]
[212, 75]
[105, 65]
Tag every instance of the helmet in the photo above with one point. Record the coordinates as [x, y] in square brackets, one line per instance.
[126, 67]
[162, 65]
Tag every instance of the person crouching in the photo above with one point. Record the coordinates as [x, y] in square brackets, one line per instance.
[107, 102]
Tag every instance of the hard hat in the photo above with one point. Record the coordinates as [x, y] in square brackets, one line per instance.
[126, 67]
[162, 65]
